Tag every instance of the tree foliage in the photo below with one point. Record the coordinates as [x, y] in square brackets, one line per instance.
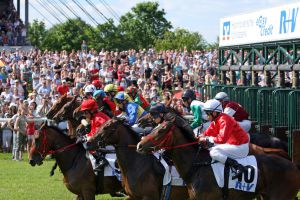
[144, 24]
[37, 33]
[180, 38]
[143, 27]
[68, 35]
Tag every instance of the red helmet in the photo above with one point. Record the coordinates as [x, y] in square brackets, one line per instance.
[97, 83]
[120, 88]
[89, 104]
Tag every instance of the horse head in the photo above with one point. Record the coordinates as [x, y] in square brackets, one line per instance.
[58, 105]
[66, 111]
[41, 146]
[159, 138]
[77, 113]
[106, 134]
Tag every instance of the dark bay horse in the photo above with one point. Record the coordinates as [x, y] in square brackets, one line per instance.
[259, 143]
[278, 178]
[142, 174]
[78, 173]
[58, 105]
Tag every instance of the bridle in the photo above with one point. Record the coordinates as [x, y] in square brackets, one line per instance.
[164, 142]
[41, 150]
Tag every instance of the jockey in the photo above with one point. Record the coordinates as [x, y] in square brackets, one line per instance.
[110, 91]
[161, 113]
[132, 91]
[89, 91]
[229, 140]
[196, 107]
[133, 112]
[97, 119]
[92, 114]
[235, 110]
[99, 96]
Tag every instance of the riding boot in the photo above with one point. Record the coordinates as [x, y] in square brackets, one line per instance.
[100, 163]
[238, 167]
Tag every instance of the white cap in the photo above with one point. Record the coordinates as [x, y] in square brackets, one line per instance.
[213, 105]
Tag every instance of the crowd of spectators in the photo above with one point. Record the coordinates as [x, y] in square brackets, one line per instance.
[30, 82]
[12, 30]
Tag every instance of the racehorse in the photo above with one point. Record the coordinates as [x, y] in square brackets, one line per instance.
[142, 174]
[58, 105]
[78, 172]
[259, 143]
[66, 113]
[278, 178]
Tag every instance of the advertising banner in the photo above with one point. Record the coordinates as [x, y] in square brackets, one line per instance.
[273, 24]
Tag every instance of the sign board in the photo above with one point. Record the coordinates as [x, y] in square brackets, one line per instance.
[273, 24]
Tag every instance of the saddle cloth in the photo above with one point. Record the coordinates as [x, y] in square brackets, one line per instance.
[249, 178]
[171, 175]
[110, 169]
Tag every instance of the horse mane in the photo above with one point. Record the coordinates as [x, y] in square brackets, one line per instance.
[121, 121]
[59, 131]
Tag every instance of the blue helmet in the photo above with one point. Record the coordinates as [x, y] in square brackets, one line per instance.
[120, 96]
[99, 93]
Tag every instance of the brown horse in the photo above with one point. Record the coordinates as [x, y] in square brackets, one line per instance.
[66, 113]
[78, 172]
[58, 105]
[278, 178]
[271, 145]
[142, 174]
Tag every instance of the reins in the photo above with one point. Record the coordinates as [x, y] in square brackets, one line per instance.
[167, 137]
[44, 153]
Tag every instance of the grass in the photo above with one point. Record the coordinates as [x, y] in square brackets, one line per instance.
[21, 181]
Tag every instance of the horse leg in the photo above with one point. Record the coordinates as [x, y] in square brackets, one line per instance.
[88, 195]
[78, 197]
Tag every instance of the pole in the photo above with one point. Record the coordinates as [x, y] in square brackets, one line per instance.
[26, 13]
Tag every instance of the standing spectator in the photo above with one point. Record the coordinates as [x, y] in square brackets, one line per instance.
[63, 89]
[30, 130]
[20, 128]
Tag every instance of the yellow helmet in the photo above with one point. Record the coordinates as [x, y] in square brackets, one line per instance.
[110, 88]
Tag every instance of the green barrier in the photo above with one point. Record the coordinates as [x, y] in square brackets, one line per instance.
[280, 113]
[239, 94]
[216, 89]
[250, 102]
[264, 109]
[293, 117]
[228, 89]
[206, 92]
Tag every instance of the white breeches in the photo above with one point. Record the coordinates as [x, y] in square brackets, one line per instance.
[246, 125]
[220, 152]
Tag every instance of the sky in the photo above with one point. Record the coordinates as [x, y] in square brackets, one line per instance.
[201, 16]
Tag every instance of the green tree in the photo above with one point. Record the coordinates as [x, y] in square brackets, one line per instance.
[68, 35]
[145, 23]
[213, 45]
[180, 38]
[37, 32]
[108, 36]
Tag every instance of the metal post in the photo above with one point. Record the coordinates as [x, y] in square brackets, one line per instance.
[18, 7]
[295, 79]
[26, 13]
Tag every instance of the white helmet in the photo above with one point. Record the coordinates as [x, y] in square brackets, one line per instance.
[90, 89]
[222, 96]
[213, 105]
